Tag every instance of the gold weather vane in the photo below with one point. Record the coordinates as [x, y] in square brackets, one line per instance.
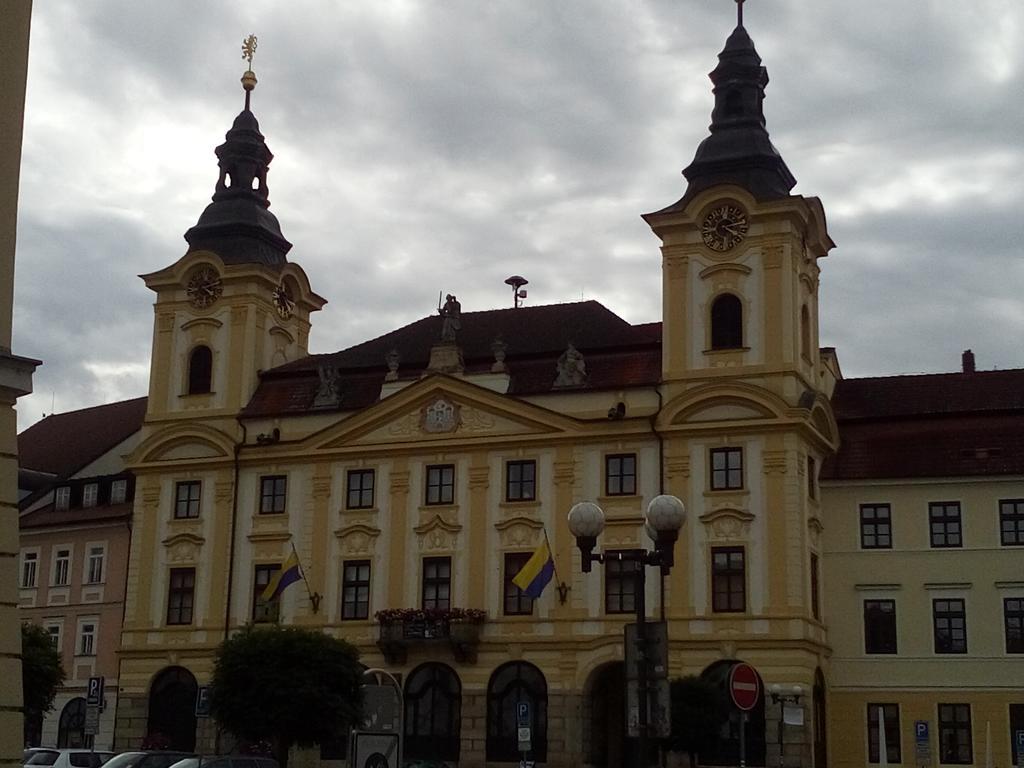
[249, 78]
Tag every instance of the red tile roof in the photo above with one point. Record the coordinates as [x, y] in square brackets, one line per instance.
[930, 425]
[63, 443]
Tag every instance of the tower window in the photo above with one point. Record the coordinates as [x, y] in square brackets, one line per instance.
[805, 332]
[727, 322]
[200, 371]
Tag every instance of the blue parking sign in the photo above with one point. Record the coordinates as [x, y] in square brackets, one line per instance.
[523, 714]
[921, 730]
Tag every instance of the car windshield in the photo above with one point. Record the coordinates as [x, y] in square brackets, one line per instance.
[125, 759]
[43, 757]
[88, 759]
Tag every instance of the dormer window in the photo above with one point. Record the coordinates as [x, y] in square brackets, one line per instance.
[118, 491]
[90, 494]
[727, 322]
[200, 370]
[62, 497]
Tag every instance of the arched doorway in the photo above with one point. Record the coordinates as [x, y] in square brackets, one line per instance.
[433, 713]
[172, 709]
[727, 751]
[71, 729]
[511, 684]
[606, 745]
[820, 721]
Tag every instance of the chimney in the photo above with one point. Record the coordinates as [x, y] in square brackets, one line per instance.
[967, 359]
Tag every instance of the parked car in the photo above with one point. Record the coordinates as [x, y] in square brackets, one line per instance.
[155, 758]
[227, 761]
[67, 758]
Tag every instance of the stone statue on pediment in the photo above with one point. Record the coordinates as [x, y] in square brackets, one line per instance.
[328, 394]
[451, 314]
[572, 368]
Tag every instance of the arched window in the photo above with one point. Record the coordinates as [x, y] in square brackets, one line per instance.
[71, 730]
[200, 370]
[433, 713]
[172, 709]
[727, 322]
[512, 684]
[820, 720]
[805, 332]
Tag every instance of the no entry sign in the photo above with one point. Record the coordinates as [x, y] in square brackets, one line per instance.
[745, 687]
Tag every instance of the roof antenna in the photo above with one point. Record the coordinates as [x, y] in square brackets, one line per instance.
[517, 282]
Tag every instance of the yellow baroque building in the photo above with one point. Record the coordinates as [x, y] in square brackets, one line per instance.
[414, 474]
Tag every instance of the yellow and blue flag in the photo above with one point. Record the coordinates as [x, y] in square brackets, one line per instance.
[535, 575]
[290, 572]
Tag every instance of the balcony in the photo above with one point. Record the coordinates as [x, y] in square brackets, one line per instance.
[401, 628]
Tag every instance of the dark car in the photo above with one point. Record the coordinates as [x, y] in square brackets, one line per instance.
[149, 759]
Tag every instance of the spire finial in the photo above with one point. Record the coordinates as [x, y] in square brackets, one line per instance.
[249, 78]
[739, 13]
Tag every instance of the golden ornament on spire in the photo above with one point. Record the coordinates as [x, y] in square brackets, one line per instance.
[249, 77]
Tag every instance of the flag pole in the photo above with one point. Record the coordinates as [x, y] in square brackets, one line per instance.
[561, 586]
[314, 597]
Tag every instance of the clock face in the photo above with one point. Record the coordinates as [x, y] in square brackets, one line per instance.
[204, 287]
[724, 227]
[283, 301]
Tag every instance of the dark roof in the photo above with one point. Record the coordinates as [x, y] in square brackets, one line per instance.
[63, 443]
[616, 355]
[47, 516]
[930, 425]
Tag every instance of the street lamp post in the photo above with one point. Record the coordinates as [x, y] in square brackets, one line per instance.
[784, 695]
[665, 516]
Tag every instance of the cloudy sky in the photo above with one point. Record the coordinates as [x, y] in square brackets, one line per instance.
[443, 146]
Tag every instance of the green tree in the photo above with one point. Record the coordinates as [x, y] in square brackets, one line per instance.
[41, 675]
[286, 686]
[699, 709]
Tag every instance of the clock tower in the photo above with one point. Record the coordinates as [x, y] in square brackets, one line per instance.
[233, 304]
[746, 420]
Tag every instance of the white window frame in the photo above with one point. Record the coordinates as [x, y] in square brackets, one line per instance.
[90, 494]
[55, 624]
[87, 564]
[62, 497]
[27, 556]
[83, 648]
[55, 566]
[119, 491]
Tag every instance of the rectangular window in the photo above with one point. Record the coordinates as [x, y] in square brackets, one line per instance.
[87, 639]
[273, 489]
[812, 478]
[181, 595]
[944, 524]
[879, 626]
[620, 474]
[726, 469]
[62, 497]
[118, 491]
[875, 526]
[620, 582]
[94, 565]
[264, 611]
[728, 580]
[90, 494]
[1011, 522]
[61, 567]
[520, 481]
[815, 587]
[441, 484]
[1016, 724]
[437, 583]
[54, 630]
[29, 567]
[360, 489]
[891, 719]
[516, 602]
[186, 499]
[1013, 619]
[355, 590]
[955, 734]
[949, 618]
